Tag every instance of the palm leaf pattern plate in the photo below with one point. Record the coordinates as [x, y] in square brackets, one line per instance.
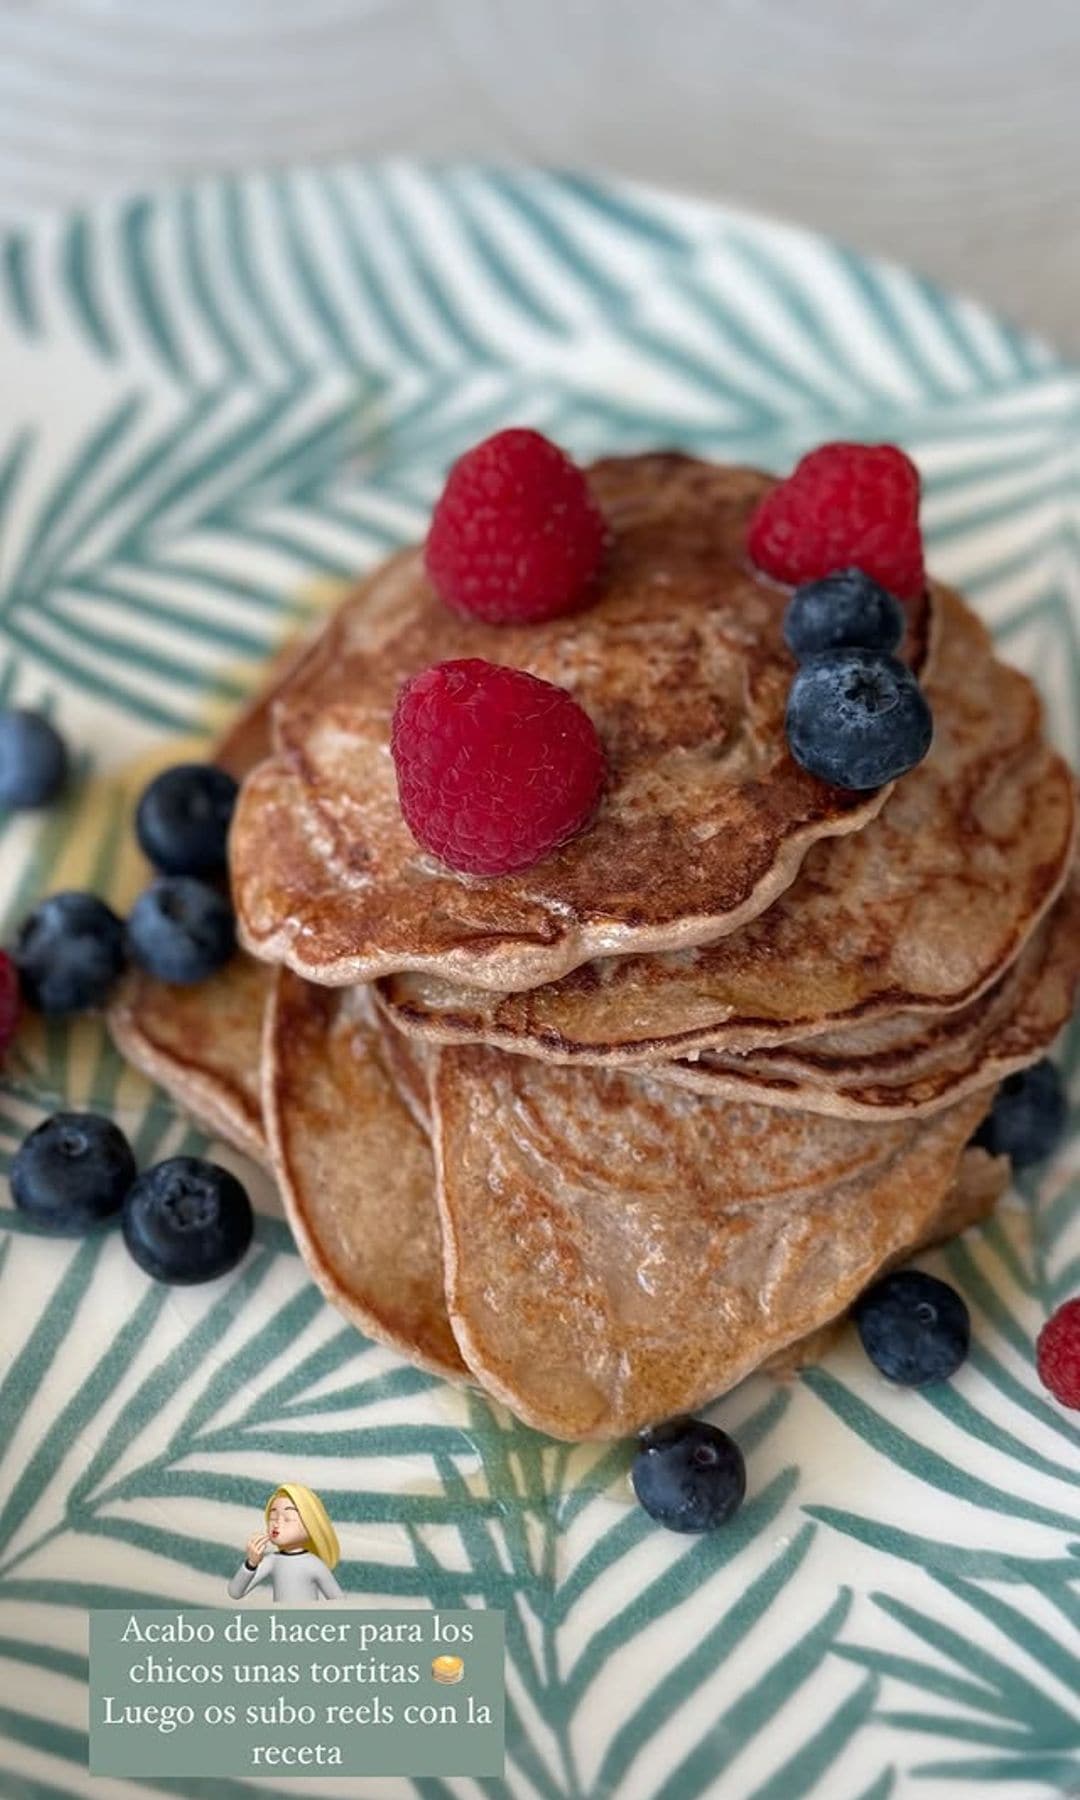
[218, 405]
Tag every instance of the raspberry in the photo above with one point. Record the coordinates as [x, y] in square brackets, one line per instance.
[845, 505]
[9, 1001]
[1058, 1353]
[494, 767]
[516, 535]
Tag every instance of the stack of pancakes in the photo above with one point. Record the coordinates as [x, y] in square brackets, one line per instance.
[606, 1135]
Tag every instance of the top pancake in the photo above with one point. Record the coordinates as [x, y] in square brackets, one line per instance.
[924, 909]
[681, 664]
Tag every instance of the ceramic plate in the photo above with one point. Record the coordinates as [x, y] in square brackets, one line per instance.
[217, 405]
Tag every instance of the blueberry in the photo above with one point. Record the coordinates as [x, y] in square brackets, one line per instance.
[69, 951]
[73, 1171]
[1027, 1120]
[914, 1328]
[844, 611]
[857, 718]
[33, 760]
[182, 819]
[181, 930]
[688, 1475]
[186, 1220]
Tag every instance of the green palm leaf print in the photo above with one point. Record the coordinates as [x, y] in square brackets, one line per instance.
[222, 400]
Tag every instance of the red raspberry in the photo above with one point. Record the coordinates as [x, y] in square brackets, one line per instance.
[1058, 1353]
[494, 767]
[516, 535]
[845, 506]
[10, 1006]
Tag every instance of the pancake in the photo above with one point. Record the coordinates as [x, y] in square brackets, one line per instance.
[354, 1170]
[977, 1186]
[913, 1062]
[617, 1250]
[201, 1044]
[358, 1179]
[680, 662]
[979, 1183]
[924, 909]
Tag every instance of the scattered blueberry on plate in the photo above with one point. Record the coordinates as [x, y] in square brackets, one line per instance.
[183, 817]
[842, 612]
[73, 1171]
[33, 760]
[914, 1328]
[187, 1220]
[181, 930]
[857, 718]
[689, 1475]
[1027, 1120]
[69, 951]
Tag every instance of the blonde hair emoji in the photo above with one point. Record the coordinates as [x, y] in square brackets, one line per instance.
[297, 1553]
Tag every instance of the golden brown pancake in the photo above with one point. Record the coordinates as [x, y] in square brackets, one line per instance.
[358, 1177]
[913, 1062]
[615, 1255]
[201, 1044]
[680, 662]
[354, 1170]
[619, 1248]
[923, 909]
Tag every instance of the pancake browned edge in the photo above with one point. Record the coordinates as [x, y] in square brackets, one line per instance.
[354, 1170]
[680, 662]
[912, 1063]
[203, 1044]
[922, 910]
[606, 1267]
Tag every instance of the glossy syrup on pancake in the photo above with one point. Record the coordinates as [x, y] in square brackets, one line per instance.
[923, 909]
[681, 664]
[615, 1256]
